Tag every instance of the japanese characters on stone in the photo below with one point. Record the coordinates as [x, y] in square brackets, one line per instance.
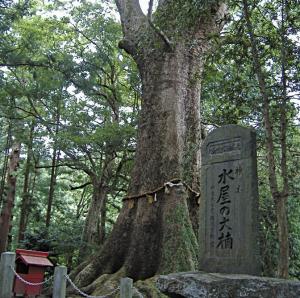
[228, 232]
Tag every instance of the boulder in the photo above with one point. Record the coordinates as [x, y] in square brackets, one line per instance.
[218, 285]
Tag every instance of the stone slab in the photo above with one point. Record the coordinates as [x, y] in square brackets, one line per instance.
[7, 274]
[228, 234]
[221, 285]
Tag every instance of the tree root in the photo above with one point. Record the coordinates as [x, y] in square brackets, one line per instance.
[151, 237]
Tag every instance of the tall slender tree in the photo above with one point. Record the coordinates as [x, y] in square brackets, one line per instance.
[5, 162]
[7, 209]
[54, 160]
[26, 195]
[279, 193]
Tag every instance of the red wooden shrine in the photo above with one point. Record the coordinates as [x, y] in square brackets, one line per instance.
[31, 266]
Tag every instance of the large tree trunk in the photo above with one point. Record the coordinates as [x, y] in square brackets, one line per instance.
[155, 231]
[168, 143]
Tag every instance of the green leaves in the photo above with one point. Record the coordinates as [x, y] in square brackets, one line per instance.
[184, 15]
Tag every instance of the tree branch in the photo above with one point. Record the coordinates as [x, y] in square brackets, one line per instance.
[80, 186]
[50, 166]
[150, 8]
[162, 35]
[78, 165]
[129, 8]
[132, 19]
[20, 64]
[158, 31]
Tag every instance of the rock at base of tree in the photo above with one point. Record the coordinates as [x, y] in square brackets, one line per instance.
[212, 285]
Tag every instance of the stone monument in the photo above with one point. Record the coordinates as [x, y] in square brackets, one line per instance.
[228, 235]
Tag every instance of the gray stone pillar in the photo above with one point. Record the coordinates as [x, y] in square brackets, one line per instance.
[6, 274]
[59, 282]
[126, 287]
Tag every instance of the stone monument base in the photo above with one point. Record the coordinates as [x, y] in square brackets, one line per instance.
[220, 285]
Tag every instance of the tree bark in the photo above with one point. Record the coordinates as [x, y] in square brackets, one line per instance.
[5, 162]
[26, 192]
[154, 231]
[6, 214]
[54, 169]
[283, 233]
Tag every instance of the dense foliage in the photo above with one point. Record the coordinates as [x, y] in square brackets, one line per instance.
[70, 97]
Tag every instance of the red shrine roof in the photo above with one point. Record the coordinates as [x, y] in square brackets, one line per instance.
[33, 257]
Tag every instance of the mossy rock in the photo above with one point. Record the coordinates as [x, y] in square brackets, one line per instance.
[148, 288]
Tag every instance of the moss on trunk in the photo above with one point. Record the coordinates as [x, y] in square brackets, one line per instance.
[179, 243]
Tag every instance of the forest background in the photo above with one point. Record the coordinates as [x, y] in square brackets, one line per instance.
[70, 100]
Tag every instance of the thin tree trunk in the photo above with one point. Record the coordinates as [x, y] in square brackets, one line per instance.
[54, 168]
[94, 231]
[5, 163]
[32, 184]
[283, 264]
[266, 101]
[81, 204]
[281, 215]
[26, 192]
[6, 214]
[279, 197]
